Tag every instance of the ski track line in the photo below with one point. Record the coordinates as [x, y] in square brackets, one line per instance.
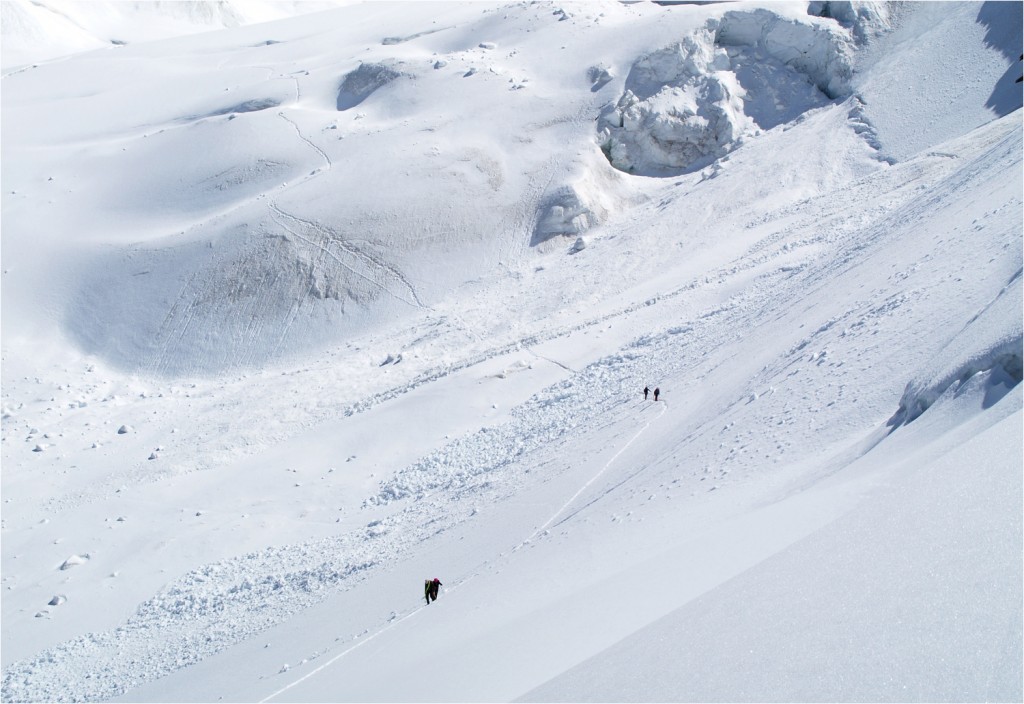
[323, 155]
[590, 481]
[340, 655]
[367, 258]
[462, 581]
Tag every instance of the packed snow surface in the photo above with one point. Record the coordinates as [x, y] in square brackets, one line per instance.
[306, 304]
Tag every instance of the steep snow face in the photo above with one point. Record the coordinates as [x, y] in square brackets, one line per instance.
[944, 99]
[693, 102]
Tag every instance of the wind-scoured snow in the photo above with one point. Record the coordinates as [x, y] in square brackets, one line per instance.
[298, 314]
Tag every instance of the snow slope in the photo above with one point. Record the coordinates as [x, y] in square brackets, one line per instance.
[35, 31]
[300, 313]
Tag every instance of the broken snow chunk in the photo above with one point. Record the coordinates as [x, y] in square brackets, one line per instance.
[569, 211]
[599, 77]
[73, 561]
[57, 600]
[124, 429]
[488, 45]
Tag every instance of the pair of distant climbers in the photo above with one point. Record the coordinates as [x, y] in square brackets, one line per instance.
[430, 589]
[656, 392]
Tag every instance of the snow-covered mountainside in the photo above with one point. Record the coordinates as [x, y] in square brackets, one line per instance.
[297, 313]
[42, 30]
[215, 256]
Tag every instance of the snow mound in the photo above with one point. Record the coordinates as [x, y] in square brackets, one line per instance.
[246, 291]
[691, 103]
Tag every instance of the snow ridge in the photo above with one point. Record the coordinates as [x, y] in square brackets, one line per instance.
[985, 346]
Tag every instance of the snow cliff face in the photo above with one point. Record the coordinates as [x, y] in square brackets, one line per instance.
[692, 102]
[865, 18]
[361, 83]
[681, 107]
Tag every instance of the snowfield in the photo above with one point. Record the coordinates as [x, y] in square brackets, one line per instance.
[332, 298]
